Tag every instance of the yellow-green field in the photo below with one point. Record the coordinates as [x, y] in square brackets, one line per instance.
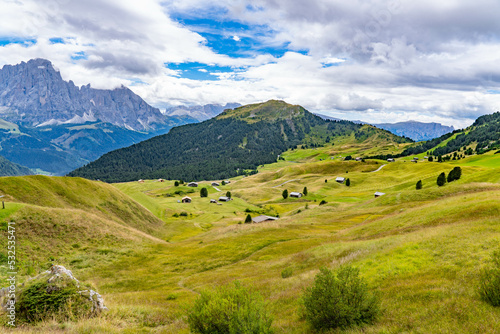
[421, 250]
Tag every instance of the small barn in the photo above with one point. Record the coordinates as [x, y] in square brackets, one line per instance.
[160, 180]
[295, 194]
[213, 201]
[141, 181]
[192, 184]
[227, 181]
[390, 160]
[186, 199]
[340, 179]
[262, 218]
[224, 199]
[215, 184]
[358, 159]
[378, 194]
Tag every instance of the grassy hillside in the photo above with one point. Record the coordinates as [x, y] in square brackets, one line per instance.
[8, 168]
[421, 250]
[71, 221]
[232, 144]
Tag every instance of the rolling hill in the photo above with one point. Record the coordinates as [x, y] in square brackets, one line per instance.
[233, 143]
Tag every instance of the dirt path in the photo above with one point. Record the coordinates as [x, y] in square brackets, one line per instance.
[376, 170]
[279, 185]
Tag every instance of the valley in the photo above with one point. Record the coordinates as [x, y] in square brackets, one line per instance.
[150, 255]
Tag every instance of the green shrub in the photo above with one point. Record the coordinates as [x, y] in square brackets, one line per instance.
[229, 310]
[183, 214]
[203, 192]
[348, 182]
[322, 202]
[287, 272]
[304, 191]
[489, 286]
[339, 300]
[248, 219]
[419, 185]
[41, 301]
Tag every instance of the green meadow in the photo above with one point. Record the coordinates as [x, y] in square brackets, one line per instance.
[150, 255]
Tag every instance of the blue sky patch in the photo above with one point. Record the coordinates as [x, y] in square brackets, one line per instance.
[493, 91]
[25, 42]
[79, 55]
[56, 40]
[199, 71]
[233, 38]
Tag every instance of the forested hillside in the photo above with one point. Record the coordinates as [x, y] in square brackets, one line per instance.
[234, 143]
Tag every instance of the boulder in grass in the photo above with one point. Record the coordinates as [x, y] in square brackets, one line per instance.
[55, 294]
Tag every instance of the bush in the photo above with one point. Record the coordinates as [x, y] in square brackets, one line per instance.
[339, 300]
[489, 286]
[348, 182]
[419, 185]
[431, 159]
[248, 219]
[228, 194]
[285, 194]
[304, 191]
[203, 192]
[441, 180]
[454, 174]
[285, 273]
[322, 202]
[184, 214]
[229, 310]
[176, 183]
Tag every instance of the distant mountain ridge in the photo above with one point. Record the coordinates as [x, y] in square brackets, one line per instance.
[235, 142]
[34, 94]
[200, 113]
[417, 131]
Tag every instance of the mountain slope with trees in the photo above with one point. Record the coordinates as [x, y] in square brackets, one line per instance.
[233, 143]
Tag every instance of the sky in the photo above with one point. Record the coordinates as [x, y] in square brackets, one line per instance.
[375, 61]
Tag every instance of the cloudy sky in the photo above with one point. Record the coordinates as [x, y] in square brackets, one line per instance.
[377, 61]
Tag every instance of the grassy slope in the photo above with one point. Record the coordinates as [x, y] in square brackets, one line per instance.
[422, 250]
[71, 221]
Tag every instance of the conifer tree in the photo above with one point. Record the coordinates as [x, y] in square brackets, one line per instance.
[419, 185]
[203, 192]
[248, 219]
[304, 191]
[348, 182]
[285, 194]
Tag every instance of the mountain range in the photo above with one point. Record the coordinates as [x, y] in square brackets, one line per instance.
[52, 126]
[417, 131]
[235, 142]
[199, 113]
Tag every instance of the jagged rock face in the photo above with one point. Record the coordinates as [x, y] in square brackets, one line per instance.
[416, 130]
[35, 94]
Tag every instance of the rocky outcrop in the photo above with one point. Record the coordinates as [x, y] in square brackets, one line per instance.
[34, 94]
[57, 293]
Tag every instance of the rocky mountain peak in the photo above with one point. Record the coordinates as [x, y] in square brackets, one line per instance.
[33, 93]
